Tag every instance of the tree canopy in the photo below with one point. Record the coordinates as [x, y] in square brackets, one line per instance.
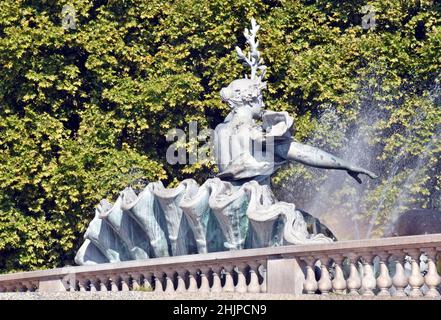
[84, 112]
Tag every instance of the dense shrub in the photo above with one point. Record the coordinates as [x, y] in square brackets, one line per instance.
[84, 112]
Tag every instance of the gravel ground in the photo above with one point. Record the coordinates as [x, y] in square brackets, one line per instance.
[136, 295]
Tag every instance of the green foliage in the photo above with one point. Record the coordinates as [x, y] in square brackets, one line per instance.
[84, 112]
[144, 289]
[392, 70]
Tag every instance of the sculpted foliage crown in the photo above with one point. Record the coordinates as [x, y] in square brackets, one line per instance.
[244, 90]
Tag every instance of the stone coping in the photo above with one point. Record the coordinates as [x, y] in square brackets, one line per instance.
[359, 247]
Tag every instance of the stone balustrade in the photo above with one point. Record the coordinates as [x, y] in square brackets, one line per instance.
[402, 266]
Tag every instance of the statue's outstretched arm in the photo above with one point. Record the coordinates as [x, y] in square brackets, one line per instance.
[316, 157]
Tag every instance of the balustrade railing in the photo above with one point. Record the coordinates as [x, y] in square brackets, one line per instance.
[402, 266]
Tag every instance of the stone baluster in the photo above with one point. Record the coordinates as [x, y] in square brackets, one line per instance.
[93, 284]
[18, 287]
[217, 284]
[205, 284]
[22, 287]
[180, 281]
[368, 282]
[158, 281]
[416, 280]
[310, 285]
[324, 284]
[229, 282]
[29, 287]
[113, 281]
[169, 277]
[262, 271]
[192, 281]
[125, 282]
[71, 284]
[82, 284]
[432, 278]
[136, 281]
[339, 282]
[253, 286]
[146, 281]
[103, 283]
[384, 281]
[399, 280]
[241, 286]
[34, 286]
[354, 281]
[10, 288]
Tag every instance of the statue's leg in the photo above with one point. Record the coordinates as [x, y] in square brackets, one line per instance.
[316, 157]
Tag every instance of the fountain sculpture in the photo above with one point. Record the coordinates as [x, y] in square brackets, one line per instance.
[232, 211]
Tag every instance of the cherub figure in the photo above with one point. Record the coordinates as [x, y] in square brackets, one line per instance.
[252, 143]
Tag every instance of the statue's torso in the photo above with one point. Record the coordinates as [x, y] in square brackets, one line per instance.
[246, 150]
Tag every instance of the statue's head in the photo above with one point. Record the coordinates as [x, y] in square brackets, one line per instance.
[247, 92]
[244, 93]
